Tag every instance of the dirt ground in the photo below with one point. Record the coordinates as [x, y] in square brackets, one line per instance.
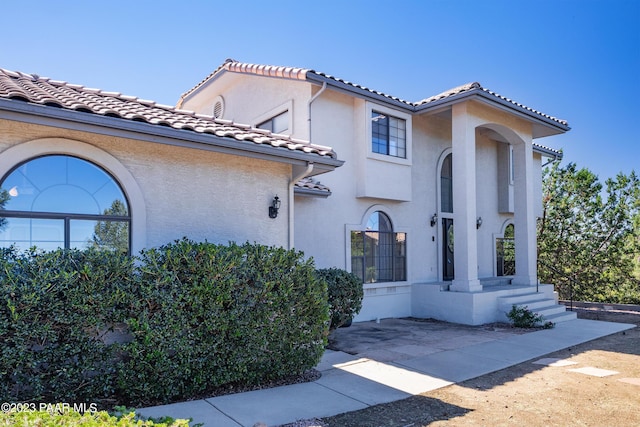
[530, 394]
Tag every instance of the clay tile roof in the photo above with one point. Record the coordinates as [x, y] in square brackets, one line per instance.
[451, 92]
[305, 74]
[477, 86]
[310, 186]
[547, 150]
[41, 90]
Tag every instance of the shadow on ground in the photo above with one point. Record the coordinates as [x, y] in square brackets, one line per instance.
[415, 410]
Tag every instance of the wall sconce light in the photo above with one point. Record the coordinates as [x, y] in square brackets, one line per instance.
[275, 206]
[478, 222]
[434, 219]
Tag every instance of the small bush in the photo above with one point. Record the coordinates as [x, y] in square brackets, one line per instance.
[87, 419]
[522, 317]
[345, 295]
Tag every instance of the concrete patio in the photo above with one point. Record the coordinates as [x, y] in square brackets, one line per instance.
[384, 362]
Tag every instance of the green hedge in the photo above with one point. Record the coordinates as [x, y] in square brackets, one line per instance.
[188, 318]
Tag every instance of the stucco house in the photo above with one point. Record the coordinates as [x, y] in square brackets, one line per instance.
[412, 170]
[84, 166]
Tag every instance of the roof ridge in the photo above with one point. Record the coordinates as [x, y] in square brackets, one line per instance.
[301, 73]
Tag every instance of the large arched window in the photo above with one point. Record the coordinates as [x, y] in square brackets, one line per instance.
[60, 201]
[378, 254]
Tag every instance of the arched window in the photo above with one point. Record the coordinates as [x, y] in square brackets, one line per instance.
[59, 201]
[446, 185]
[378, 254]
[506, 253]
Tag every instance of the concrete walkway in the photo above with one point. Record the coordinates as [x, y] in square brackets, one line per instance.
[384, 362]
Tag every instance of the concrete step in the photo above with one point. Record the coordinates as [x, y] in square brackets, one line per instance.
[506, 302]
[495, 281]
[561, 317]
[531, 304]
[549, 310]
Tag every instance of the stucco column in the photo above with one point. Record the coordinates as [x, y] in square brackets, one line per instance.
[524, 216]
[465, 249]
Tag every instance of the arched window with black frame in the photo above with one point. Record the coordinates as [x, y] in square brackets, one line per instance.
[61, 201]
[378, 254]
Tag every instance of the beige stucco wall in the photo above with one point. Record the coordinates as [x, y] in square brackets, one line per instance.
[187, 192]
[253, 99]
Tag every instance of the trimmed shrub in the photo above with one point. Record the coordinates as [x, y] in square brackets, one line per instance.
[216, 315]
[345, 295]
[174, 323]
[55, 308]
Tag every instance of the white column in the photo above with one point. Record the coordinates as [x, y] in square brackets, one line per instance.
[524, 216]
[464, 201]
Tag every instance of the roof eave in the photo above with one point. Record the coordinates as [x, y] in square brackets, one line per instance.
[547, 152]
[552, 127]
[27, 112]
[343, 87]
[307, 192]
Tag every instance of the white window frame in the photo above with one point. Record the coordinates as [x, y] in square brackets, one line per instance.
[362, 226]
[287, 107]
[370, 107]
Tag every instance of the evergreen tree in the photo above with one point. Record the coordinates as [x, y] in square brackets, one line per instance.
[4, 198]
[110, 234]
[588, 235]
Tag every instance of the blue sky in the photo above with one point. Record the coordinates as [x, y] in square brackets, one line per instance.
[578, 60]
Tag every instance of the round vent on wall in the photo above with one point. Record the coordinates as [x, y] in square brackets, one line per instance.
[218, 108]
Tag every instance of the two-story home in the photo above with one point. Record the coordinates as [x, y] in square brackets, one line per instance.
[414, 172]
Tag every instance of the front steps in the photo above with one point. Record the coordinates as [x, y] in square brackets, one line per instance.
[538, 303]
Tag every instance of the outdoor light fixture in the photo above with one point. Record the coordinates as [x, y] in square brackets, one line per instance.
[275, 206]
[434, 219]
[478, 222]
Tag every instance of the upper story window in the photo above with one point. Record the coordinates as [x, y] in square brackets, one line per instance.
[388, 135]
[378, 254]
[276, 124]
[59, 201]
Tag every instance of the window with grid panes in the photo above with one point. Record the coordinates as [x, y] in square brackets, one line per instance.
[388, 135]
[378, 254]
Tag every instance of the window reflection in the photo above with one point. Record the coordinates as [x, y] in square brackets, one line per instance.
[378, 254]
[63, 201]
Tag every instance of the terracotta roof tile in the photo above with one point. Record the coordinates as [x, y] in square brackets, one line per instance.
[548, 150]
[41, 90]
[312, 187]
[303, 74]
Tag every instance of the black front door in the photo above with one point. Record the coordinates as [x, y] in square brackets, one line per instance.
[447, 249]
